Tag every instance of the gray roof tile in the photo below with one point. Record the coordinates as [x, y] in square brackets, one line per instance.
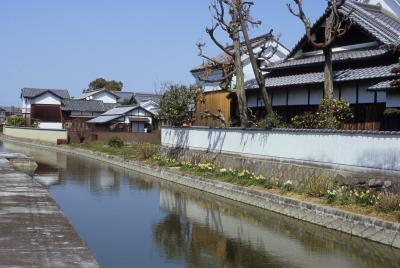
[34, 92]
[124, 96]
[382, 86]
[336, 57]
[316, 78]
[83, 105]
[143, 97]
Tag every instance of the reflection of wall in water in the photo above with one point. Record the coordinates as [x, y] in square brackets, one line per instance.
[276, 243]
[47, 157]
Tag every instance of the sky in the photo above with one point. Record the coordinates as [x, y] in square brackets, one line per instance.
[68, 43]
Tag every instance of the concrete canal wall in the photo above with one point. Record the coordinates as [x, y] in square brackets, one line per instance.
[34, 232]
[369, 228]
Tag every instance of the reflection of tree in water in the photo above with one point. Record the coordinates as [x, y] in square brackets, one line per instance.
[199, 246]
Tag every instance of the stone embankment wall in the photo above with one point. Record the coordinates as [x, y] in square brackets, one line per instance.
[352, 157]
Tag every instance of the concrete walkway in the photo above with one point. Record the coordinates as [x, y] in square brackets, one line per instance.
[33, 230]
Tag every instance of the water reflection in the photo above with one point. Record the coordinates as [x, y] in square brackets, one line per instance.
[240, 236]
[129, 219]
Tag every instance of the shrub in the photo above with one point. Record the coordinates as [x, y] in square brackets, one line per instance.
[388, 202]
[331, 114]
[146, 150]
[317, 186]
[116, 142]
[16, 121]
[271, 121]
[308, 120]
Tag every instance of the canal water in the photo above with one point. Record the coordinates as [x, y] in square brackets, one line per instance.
[132, 220]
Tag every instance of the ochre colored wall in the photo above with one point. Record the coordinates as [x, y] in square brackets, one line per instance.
[38, 134]
[212, 101]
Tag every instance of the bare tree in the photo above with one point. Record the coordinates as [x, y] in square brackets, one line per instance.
[229, 22]
[336, 25]
[245, 21]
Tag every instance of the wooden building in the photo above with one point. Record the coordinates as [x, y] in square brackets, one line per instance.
[363, 60]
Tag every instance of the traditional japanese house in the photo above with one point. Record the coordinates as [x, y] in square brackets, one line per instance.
[124, 119]
[362, 64]
[215, 97]
[76, 113]
[43, 105]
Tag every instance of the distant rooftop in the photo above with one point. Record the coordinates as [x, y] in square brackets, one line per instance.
[34, 92]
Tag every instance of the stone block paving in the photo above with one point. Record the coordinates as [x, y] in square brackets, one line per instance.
[34, 232]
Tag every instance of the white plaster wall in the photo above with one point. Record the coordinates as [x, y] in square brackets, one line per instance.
[352, 149]
[298, 96]
[279, 98]
[47, 98]
[381, 96]
[316, 95]
[349, 93]
[105, 97]
[26, 105]
[48, 125]
[365, 96]
[252, 100]
[392, 99]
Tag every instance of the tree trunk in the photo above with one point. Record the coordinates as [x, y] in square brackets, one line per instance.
[328, 73]
[256, 68]
[240, 90]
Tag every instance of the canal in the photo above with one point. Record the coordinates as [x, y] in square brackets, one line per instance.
[133, 220]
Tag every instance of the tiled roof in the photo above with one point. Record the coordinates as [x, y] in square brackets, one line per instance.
[110, 106]
[83, 105]
[382, 86]
[120, 110]
[336, 57]
[143, 97]
[338, 76]
[103, 119]
[34, 92]
[224, 58]
[383, 27]
[91, 93]
[124, 96]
